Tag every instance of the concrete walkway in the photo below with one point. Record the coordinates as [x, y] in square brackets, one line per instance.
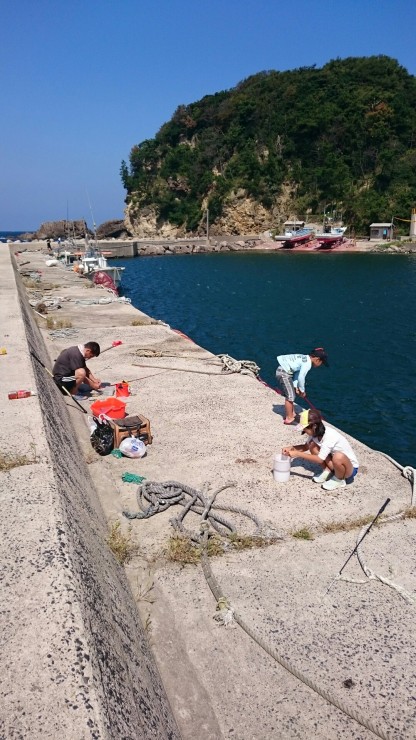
[209, 429]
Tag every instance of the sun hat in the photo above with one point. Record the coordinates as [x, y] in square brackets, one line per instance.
[309, 417]
[320, 352]
[304, 419]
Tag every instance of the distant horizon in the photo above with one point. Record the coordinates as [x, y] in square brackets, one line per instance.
[33, 230]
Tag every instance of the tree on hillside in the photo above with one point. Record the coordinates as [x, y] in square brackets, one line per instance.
[345, 132]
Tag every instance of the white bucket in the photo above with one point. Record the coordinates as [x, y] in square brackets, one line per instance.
[281, 468]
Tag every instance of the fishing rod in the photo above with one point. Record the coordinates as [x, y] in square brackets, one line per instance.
[174, 369]
[61, 387]
[387, 501]
[280, 393]
[313, 408]
[116, 343]
[311, 404]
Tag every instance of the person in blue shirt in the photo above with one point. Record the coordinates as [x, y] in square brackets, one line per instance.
[291, 375]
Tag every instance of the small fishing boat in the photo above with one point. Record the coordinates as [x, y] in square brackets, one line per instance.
[302, 236]
[93, 260]
[67, 257]
[328, 241]
[92, 263]
[331, 237]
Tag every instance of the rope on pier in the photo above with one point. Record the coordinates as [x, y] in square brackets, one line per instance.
[245, 367]
[156, 497]
[229, 364]
[371, 574]
[230, 613]
[153, 498]
[102, 301]
[409, 473]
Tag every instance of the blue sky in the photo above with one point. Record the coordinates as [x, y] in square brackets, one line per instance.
[82, 81]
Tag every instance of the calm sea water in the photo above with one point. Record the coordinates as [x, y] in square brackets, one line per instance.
[254, 306]
[12, 235]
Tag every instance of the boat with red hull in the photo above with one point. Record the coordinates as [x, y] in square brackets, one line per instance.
[301, 237]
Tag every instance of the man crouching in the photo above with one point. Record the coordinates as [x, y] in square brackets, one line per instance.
[70, 368]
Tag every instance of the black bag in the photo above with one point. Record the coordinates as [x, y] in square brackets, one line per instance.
[102, 438]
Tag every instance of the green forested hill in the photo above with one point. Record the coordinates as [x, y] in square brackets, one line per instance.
[345, 133]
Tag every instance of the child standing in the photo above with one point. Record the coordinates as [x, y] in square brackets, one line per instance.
[291, 375]
[328, 448]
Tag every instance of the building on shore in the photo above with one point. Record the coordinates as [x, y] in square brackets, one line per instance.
[381, 231]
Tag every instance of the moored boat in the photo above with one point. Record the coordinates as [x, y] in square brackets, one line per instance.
[90, 261]
[93, 260]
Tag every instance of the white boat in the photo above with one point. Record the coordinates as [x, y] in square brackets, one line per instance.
[333, 231]
[93, 260]
[67, 257]
[89, 262]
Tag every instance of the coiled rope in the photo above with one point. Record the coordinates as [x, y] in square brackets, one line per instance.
[245, 367]
[156, 497]
[153, 498]
[62, 333]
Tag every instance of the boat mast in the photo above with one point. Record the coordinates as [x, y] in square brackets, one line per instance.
[94, 225]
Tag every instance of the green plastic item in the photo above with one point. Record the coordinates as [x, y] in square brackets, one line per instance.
[117, 453]
[132, 478]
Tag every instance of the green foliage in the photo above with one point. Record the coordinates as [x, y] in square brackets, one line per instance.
[303, 534]
[344, 133]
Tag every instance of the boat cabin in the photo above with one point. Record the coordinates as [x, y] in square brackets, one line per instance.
[293, 226]
[381, 231]
[68, 258]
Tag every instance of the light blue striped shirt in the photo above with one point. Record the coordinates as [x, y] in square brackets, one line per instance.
[297, 366]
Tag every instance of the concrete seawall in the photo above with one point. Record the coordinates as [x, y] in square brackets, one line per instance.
[116, 249]
[75, 659]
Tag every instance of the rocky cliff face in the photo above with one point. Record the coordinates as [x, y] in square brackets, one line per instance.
[60, 230]
[115, 229]
[241, 215]
[144, 223]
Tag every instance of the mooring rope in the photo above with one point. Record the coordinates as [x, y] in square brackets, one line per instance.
[156, 497]
[245, 367]
[228, 363]
[147, 352]
[371, 574]
[409, 473]
[231, 613]
[102, 301]
[153, 498]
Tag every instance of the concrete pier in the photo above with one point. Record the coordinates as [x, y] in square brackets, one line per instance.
[92, 650]
[75, 660]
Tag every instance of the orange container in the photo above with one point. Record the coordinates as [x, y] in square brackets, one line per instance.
[115, 408]
[122, 389]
